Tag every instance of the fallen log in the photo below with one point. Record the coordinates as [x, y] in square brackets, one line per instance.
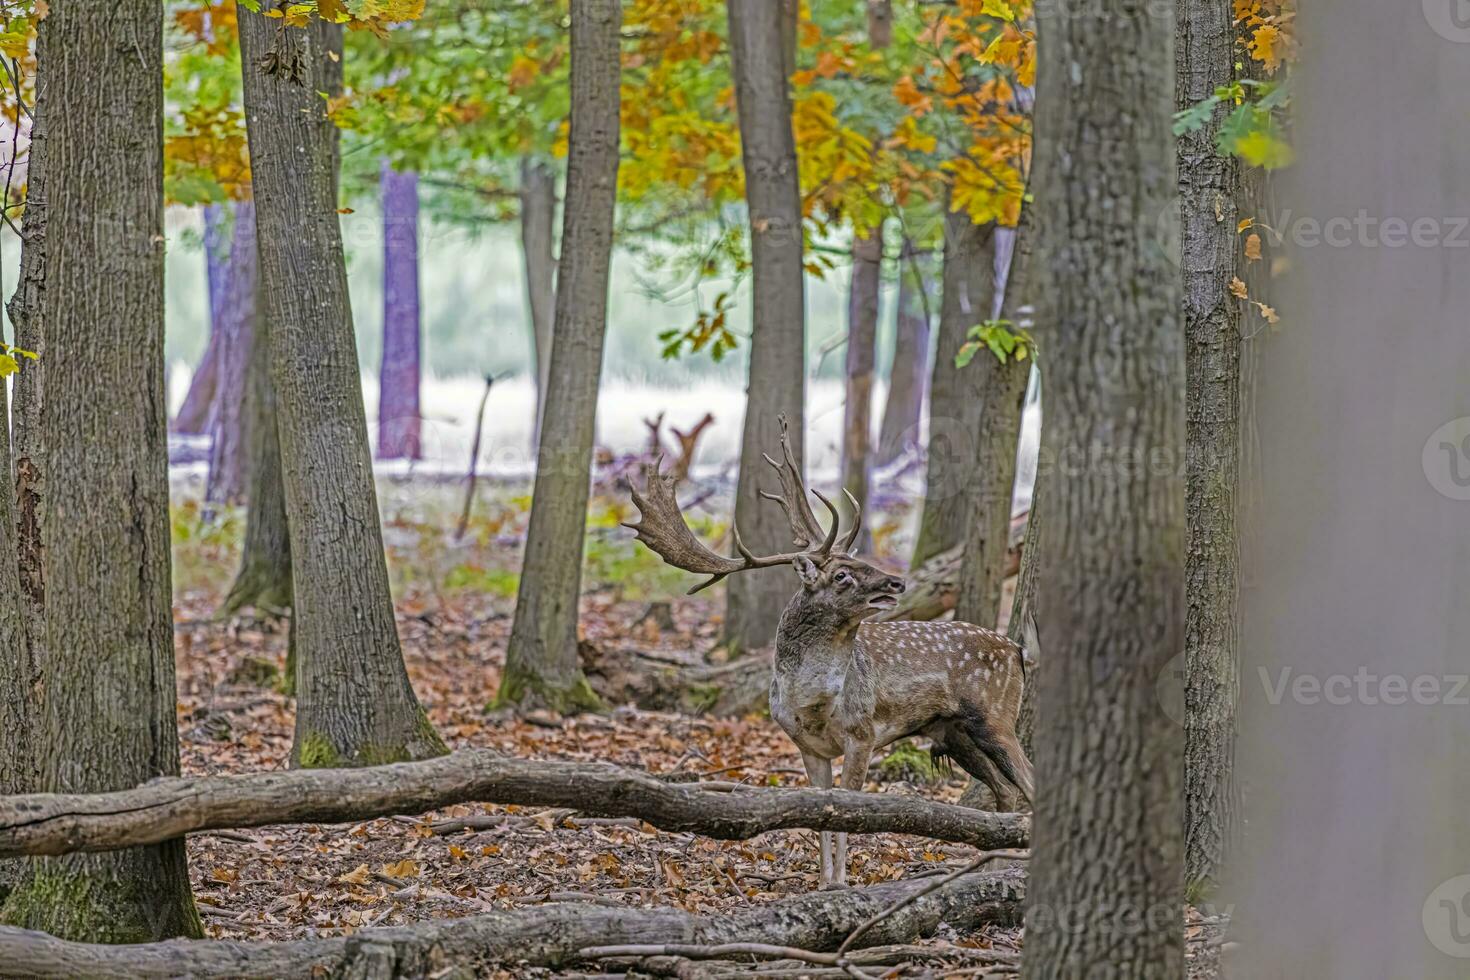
[934, 586]
[49, 823]
[548, 936]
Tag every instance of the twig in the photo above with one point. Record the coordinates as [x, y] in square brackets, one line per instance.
[720, 952]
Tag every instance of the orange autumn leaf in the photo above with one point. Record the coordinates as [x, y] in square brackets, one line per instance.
[1253, 248]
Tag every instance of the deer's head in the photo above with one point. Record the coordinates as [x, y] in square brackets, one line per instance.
[831, 577]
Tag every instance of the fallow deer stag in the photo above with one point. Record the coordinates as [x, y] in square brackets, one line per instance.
[844, 687]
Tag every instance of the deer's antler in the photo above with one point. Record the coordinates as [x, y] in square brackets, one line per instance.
[662, 528]
[806, 530]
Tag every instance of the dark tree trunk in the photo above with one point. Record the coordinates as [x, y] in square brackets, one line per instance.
[1108, 866]
[354, 702]
[954, 395]
[541, 664]
[1209, 184]
[229, 459]
[908, 378]
[1002, 396]
[20, 673]
[398, 376]
[880, 23]
[194, 412]
[264, 579]
[862, 339]
[538, 247]
[108, 716]
[777, 316]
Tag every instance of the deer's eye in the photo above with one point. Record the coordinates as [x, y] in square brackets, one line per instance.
[843, 578]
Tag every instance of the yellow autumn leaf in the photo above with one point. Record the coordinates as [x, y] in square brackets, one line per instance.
[1000, 9]
[1244, 224]
[406, 868]
[1263, 47]
[356, 876]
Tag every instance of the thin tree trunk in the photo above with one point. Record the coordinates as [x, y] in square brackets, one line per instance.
[1002, 397]
[108, 716]
[229, 459]
[541, 665]
[862, 339]
[778, 316]
[903, 411]
[472, 477]
[880, 23]
[194, 412]
[1209, 183]
[398, 376]
[538, 247]
[264, 579]
[954, 395]
[354, 702]
[1108, 868]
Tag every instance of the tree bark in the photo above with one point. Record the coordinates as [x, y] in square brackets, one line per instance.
[538, 247]
[108, 715]
[1108, 867]
[399, 413]
[862, 339]
[1002, 398]
[194, 412]
[354, 702]
[880, 23]
[954, 396]
[1209, 185]
[541, 665]
[903, 411]
[547, 936]
[20, 673]
[778, 326]
[167, 809]
[264, 578]
[229, 458]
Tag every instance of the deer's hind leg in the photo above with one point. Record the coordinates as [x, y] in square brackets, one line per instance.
[952, 741]
[1003, 750]
[819, 774]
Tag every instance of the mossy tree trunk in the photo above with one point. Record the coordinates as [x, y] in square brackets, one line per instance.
[1108, 865]
[541, 664]
[954, 393]
[538, 248]
[229, 457]
[107, 722]
[264, 579]
[908, 376]
[759, 30]
[1002, 396]
[862, 339]
[355, 705]
[1209, 186]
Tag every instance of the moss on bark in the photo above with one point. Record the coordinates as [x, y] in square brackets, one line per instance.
[106, 898]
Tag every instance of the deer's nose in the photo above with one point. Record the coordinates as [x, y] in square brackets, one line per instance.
[895, 585]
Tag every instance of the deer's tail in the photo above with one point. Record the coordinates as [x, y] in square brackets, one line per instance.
[1030, 644]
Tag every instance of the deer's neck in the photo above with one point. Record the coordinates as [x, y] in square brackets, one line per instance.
[809, 630]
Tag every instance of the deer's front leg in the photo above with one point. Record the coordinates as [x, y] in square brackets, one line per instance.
[819, 774]
[855, 761]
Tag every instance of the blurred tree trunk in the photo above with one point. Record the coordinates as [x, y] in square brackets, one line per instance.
[20, 673]
[1109, 762]
[777, 382]
[194, 412]
[862, 340]
[264, 578]
[880, 23]
[538, 246]
[1209, 183]
[541, 665]
[229, 459]
[398, 376]
[107, 721]
[354, 702]
[954, 398]
[1002, 396]
[903, 411]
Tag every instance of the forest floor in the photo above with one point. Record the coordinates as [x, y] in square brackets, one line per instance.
[454, 607]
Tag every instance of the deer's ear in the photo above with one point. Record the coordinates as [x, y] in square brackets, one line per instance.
[806, 570]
